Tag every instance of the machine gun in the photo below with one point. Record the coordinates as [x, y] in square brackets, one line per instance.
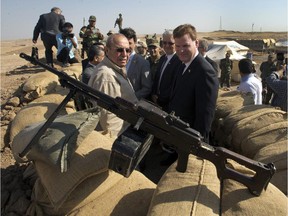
[146, 117]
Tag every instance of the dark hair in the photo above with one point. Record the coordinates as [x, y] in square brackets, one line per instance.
[94, 50]
[67, 25]
[129, 33]
[185, 29]
[246, 66]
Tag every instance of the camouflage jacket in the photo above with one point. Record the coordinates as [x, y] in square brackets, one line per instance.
[90, 35]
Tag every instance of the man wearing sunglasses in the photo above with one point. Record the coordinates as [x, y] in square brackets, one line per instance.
[166, 71]
[110, 78]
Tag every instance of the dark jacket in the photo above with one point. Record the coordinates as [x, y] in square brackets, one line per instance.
[194, 95]
[163, 91]
[50, 23]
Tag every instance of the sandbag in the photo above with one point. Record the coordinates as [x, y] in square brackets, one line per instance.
[59, 142]
[263, 137]
[74, 70]
[237, 200]
[131, 196]
[229, 101]
[90, 158]
[248, 125]
[276, 153]
[38, 110]
[221, 128]
[41, 83]
[197, 192]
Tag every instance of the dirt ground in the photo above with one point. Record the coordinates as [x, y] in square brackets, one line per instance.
[15, 71]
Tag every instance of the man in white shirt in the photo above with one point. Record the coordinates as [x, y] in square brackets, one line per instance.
[249, 80]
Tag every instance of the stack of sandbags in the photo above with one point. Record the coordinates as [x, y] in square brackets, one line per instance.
[227, 102]
[86, 186]
[40, 84]
[197, 192]
[254, 131]
[38, 110]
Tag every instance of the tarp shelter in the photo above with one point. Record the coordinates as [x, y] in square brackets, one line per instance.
[281, 46]
[218, 50]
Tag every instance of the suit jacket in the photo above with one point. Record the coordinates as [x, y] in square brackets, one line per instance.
[163, 90]
[50, 23]
[213, 63]
[194, 95]
[140, 77]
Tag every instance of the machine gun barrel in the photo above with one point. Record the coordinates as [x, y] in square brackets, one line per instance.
[172, 130]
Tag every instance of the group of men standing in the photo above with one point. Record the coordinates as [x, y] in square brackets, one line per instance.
[181, 80]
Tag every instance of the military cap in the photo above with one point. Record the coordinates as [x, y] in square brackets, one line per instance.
[92, 18]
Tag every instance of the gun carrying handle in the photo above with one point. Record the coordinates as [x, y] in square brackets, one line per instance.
[182, 161]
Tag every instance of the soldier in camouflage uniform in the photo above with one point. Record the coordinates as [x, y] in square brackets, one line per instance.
[226, 66]
[90, 35]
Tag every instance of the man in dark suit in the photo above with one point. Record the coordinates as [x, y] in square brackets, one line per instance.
[195, 90]
[203, 48]
[49, 25]
[166, 72]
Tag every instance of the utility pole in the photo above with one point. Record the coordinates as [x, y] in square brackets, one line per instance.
[83, 21]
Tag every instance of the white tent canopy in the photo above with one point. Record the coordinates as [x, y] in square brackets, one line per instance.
[217, 51]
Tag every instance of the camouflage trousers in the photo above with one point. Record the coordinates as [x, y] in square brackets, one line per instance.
[225, 78]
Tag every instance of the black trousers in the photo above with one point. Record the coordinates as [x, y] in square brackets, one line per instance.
[49, 41]
[64, 57]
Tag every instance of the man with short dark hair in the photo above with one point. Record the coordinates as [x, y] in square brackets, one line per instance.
[266, 68]
[137, 67]
[49, 25]
[249, 80]
[67, 43]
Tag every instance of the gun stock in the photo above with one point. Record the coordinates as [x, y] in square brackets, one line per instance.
[149, 118]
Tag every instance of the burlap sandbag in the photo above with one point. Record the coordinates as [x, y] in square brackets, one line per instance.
[248, 125]
[106, 193]
[194, 192]
[197, 192]
[222, 128]
[263, 137]
[60, 140]
[229, 101]
[41, 83]
[237, 200]
[90, 158]
[276, 153]
[74, 70]
[33, 113]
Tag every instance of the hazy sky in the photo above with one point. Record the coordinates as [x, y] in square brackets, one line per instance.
[19, 17]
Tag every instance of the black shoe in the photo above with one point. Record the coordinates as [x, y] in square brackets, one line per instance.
[169, 160]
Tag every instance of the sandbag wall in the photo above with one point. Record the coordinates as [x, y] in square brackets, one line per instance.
[258, 132]
[69, 163]
[42, 93]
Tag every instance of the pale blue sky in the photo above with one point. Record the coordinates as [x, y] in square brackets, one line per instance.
[19, 17]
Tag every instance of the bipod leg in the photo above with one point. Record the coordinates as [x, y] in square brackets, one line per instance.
[46, 125]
